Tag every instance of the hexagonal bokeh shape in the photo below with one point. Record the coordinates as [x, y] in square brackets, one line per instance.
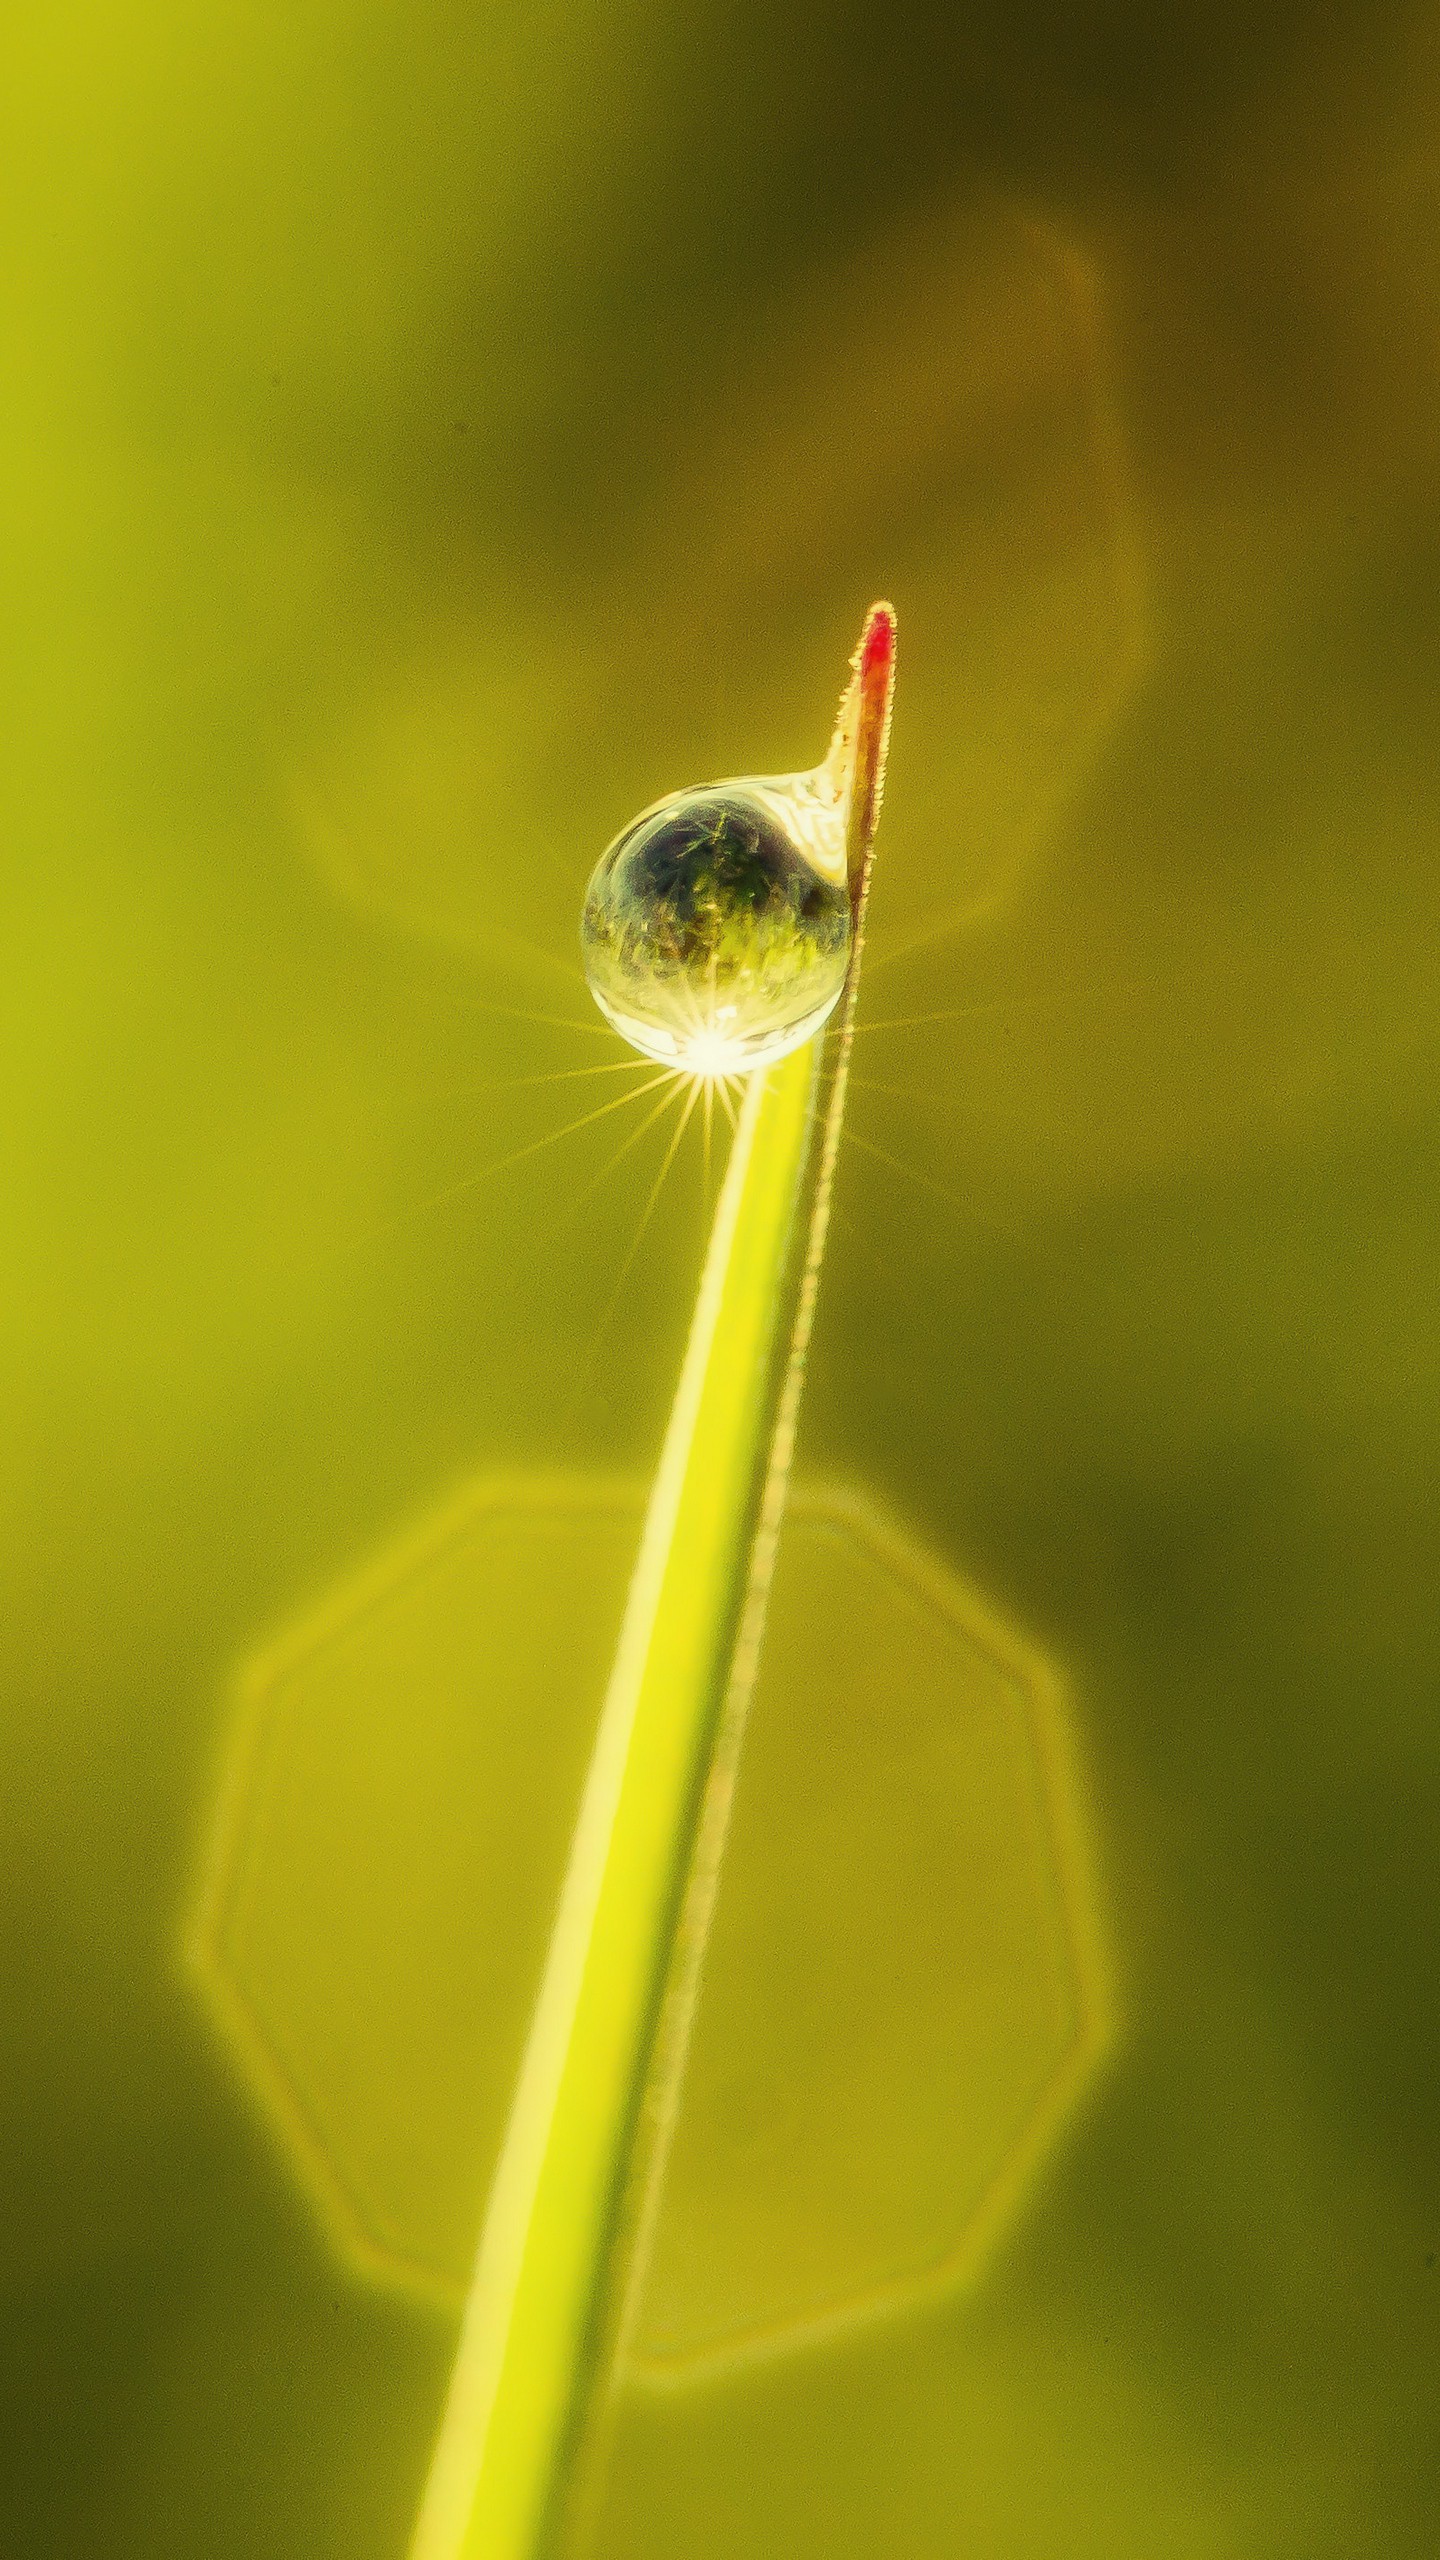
[903, 1990]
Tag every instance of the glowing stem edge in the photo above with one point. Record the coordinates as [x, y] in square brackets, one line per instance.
[532, 2330]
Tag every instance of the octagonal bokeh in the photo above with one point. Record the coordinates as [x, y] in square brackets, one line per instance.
[903, 1986]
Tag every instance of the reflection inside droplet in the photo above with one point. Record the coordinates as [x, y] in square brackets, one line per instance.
[714, 939]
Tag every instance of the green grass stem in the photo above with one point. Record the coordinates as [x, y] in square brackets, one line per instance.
[534, 2334]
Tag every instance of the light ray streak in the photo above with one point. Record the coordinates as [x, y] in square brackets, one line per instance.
[897, 1164]
[519, 1155]
[623, 1274]
[632, 1065]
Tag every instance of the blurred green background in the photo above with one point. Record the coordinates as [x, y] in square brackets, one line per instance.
[426, 435]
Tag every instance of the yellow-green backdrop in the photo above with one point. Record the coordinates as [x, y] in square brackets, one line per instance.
[427, 434]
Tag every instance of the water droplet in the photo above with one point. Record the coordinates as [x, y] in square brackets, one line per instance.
[716, 928]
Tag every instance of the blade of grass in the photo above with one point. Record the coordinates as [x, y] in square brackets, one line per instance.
[532, 2336]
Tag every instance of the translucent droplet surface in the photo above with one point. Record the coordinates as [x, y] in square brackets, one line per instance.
[716, 928]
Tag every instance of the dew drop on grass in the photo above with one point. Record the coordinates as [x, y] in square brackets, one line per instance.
[716, 928]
